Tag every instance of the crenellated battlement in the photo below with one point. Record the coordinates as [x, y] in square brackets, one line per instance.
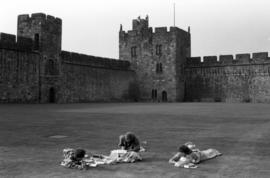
[260, 57]
[140, 24]
[161, 30]
[210, 59]
[10, 41]
[39, 17]
[94, 61]
[140, 28]
[149, 32]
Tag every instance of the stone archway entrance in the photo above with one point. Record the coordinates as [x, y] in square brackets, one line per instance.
[164, 96]
[52, 95]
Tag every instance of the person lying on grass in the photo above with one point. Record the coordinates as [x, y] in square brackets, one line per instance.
[188, 156]
[77, 158]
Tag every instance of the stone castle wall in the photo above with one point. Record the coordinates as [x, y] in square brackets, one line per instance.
[91, 79]
[243, 79]
[19, 69]
[34, 69]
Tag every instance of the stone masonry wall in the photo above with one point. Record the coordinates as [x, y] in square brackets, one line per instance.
[166, 80]
[46, 32]
[92, 79]
[141, 38]
[19, 68]
[144, 63]
[243, 79]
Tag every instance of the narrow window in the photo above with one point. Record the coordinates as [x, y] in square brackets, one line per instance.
[36, 45]
[155, 94]
[134, 51]
[159, 50]
[159, 68]
[50, 67]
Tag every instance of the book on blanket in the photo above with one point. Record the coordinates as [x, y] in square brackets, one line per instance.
[117, 153]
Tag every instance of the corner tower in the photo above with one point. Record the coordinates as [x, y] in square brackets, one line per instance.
[158, 59]
[46, 32]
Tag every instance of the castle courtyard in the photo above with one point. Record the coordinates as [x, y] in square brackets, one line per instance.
[32, 138]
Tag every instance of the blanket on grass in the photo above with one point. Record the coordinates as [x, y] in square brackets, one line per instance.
[201, 155]
[116, 156]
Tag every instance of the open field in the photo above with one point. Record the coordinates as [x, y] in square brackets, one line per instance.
[240, 131]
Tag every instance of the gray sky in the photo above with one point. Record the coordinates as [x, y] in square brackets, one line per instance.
[91, 26]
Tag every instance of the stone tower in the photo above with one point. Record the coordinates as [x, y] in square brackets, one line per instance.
[46, 32]
[158, 59]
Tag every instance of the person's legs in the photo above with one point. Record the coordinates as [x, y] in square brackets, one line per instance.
[209, 154]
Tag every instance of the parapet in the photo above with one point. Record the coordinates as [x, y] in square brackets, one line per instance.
[240, 59]
[210, 59]
[7, 38]
[226, 59]
[172, 30]
[39, 17]
[139, 24]
[24, 43]
[194, 61]
[94, 61]
[178, 30]
[260, 57]
[243, 58]
[8, 41]
[132, 33]
[161, 30]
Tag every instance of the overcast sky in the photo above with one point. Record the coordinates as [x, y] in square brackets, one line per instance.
[91, 26]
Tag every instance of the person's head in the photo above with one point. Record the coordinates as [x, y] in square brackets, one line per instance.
[79, 154]
[184, 149]
[129, 137]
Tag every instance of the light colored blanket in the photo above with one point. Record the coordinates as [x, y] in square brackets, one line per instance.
[116, 156]
[189, 162]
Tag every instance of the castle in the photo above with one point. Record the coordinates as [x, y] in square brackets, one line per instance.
[154, 65]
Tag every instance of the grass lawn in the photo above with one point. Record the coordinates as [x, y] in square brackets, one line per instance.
[240, 131]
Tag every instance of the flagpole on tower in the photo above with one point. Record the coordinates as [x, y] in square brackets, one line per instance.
[174, 14]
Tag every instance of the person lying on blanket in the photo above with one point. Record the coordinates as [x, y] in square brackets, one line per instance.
[77, 158]
[188, 156]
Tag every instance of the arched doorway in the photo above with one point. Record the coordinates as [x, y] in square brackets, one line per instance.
[164, 96]
[52, 95]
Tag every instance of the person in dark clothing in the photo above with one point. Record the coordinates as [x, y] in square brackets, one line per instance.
[129, 142]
